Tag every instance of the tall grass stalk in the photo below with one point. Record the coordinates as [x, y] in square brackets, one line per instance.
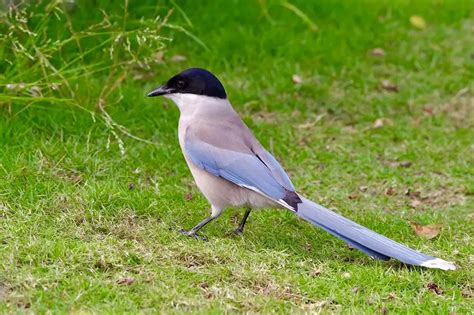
[46, 59]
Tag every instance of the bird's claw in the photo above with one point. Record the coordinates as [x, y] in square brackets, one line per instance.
[193, 235]
[238, 232]
[235, 233]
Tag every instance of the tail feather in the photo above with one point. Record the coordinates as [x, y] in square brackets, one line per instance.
[368, 241]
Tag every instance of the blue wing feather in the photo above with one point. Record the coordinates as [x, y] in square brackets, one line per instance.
[239, 168]
[276, 169]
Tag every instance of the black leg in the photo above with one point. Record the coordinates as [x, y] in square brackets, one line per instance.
[240, 229]
[194, 230]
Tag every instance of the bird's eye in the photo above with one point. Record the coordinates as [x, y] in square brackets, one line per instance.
[180, 84]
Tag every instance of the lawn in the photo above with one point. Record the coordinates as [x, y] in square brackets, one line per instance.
[94, 188]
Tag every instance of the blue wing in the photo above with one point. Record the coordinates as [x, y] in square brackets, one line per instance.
[242, 169]
[277, 171]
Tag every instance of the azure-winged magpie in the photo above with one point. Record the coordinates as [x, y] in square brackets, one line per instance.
[231, 168]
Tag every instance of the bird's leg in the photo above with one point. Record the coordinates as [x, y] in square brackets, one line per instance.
[240, 229]
[194, 230]
[215, 212]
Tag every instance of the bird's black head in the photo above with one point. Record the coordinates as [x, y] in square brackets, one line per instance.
[192, 81]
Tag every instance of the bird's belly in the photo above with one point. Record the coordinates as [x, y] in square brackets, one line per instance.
[222, 194]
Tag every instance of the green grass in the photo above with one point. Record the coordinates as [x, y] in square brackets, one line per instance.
[84, 208]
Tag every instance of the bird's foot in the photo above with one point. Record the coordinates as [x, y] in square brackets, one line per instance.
[239, 232]
[193, 234]
[236, 232]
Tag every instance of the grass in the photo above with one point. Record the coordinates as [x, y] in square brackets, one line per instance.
[89, 216]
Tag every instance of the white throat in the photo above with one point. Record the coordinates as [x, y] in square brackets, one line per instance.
[189, 103]
[186, 102]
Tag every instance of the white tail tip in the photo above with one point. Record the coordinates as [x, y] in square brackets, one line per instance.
[439, 264]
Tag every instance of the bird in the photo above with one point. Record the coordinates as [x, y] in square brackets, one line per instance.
[232, 169]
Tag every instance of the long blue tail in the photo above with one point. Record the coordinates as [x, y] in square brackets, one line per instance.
[371, 243]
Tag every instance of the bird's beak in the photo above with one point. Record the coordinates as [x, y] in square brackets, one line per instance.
[162, 90]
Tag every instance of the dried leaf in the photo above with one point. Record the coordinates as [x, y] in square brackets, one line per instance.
[428, 110]
[316, 272]
[390, 191]
[391, 296]
[178, 58]
[188, 197]
[467, 293]
[346, 274]
[405, 164]
[353, 196]
[363, 188]
[270, 117]
[418, 22]
[415, 203]
[355, 289]
[377, 52]
[380, 122]
[433, 287]
[208, 294]
[125, 281]
[412, 194]
[427, 231]
[307, 125]
[297, 79]
[388, 85]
